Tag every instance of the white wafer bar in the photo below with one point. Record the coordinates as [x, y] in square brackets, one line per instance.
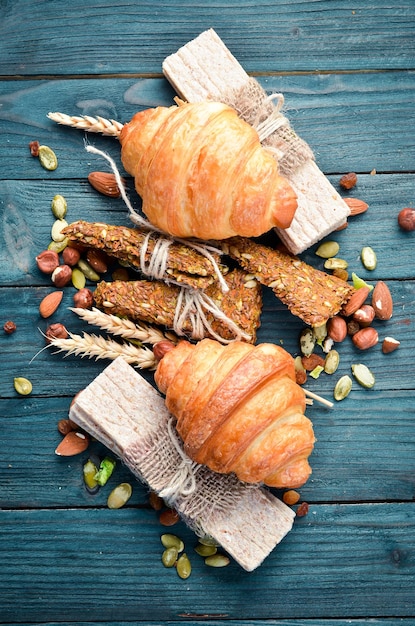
[123, 411]
[204, 69]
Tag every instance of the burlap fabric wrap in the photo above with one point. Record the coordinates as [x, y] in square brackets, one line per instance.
[256, 107]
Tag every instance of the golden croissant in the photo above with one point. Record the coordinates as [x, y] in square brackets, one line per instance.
[201, 172]
[239, 409]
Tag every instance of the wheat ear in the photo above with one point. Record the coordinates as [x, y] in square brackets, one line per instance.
[93, 346]
[123, 327]
[98, 124]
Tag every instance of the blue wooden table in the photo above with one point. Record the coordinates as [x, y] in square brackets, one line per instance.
[348, 75]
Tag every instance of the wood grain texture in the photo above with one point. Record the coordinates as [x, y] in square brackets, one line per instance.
[135, 37]
[364, 550]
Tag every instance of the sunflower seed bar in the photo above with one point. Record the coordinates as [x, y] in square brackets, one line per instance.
[155, 302]
[310, 294]
[125, 413]
[205, 69]
[184, 264]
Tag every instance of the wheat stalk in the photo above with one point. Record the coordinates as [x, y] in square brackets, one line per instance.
[123, 327]
[94, 346]
[91, 124]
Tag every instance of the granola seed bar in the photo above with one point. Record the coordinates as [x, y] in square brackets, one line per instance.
[155, 302]
[310, 294]
[184, 265]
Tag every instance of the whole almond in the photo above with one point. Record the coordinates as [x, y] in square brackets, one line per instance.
[73, 443]
[365, 338]
[356, 206]
[382, 301]
[337, 328]
[356, 300]
[50, 303]
[105, 183]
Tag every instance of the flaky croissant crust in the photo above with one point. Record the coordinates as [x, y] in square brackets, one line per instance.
[239, 409]
[202, 172]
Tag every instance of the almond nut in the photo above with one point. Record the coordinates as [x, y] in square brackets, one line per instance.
[365, 338]
[356, 206]
[356, 300]
[73, 443]
[105, 183]
[390, 345]
[382, 301]
[337, 328]
[50, 303]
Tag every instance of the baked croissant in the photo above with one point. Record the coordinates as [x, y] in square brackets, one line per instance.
[202, 172]
[239, 409]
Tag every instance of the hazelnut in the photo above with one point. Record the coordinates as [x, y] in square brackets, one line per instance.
[84, 298]
[65, 426]
[161, 348]
[365, 338]
[55, 331]
[348, 181]
[337, 328]
[352, 327]
[365, 315]
[62, 275]
[9, 327]
[98, 260]
[71, 256]
[47, 261]
[406, 219]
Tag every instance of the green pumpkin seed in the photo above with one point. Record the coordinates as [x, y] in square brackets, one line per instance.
[58, 246]
[328, 249]
[207, 540]
[343, 388]
[217, 560]
[169, 556]
[331, 362]
[183, 566]
[368, 257]
[57, 228]
[88, 270]
[359, 282]
[47, 158]
[78, 278]
[205, 550]
[59, 206]
[119, 496]
[23, 386]
[172, 541]
[307, 341]
[363, 375]
[335, 264]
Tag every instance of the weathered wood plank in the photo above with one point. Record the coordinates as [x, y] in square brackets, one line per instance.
[68, 565]
[267, 622]
[353, 122]
[365, 451]
[135, 38]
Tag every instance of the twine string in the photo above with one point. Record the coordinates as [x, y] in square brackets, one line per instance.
[183, 482]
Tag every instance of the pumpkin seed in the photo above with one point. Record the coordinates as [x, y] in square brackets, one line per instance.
[183, 566]
[335, 264]
[202, 550]
[172, 541]
[169, 556]
[207, 540]
[359, 282]
[363, 375]
[57, 228]
[327, 249]
[368, 257]
[331, 362]
[119, 496]
[78, 278]
[307, 341]
[58, 246]
[23, 386]
[88, 270]
[217, 560]
[343, 388]
[47, 158]
[59, 206]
